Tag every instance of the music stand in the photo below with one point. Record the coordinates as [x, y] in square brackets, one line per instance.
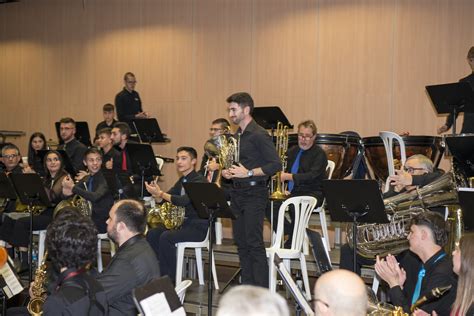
[319, 252]
[356, 201]
[31, 192]
[82, 133]
[66, 160]
[301, 303]
[452, 98]
[143, 162]
[210, 203]
[466, 200]
[462, 149]
[269, 116]
[149, 131]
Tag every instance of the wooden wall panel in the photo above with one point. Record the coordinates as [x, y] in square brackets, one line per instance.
[349, 65]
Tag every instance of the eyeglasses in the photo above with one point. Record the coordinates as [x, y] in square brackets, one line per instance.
[132, 82]
[66, 128]
[10, 156]
[305, 137]
[215, 129]
[411, 169]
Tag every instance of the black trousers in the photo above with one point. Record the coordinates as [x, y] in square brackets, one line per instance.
[249, 206]
[163, 242]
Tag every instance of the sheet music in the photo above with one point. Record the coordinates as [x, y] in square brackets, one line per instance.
[158, 305]
[13, 285]
[466, 189]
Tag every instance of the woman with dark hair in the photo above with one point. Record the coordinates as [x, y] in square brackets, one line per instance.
[16, 232]
[37, 142]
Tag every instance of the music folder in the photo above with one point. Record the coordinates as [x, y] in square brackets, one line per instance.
[158, 297]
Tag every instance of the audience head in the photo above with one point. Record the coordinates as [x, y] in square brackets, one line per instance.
[120, 133]
[130, 81]
[53, 163]
[333, 299]
[10, 156]
[71, 240]
[67, 129]
[427, 229]
[307, 132]
[240, 106]
[127, 218]
[252, 301]
[463, 263]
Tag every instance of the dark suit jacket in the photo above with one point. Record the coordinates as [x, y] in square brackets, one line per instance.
[75, 150]
[183, 200]
[133, 265]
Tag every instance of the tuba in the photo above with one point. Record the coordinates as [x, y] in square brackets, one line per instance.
[167, 214]
[35, 305]
[282, 147]
[381, 239]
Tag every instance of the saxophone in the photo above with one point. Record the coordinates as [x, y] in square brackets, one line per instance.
[35, 305]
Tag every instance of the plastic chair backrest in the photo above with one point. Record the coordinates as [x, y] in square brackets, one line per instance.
[387, 138]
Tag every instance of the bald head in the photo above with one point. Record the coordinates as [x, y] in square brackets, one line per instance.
[340, 292]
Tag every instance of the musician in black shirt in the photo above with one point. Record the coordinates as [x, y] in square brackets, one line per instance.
[128, 102]
[37, 142]
[108, 111]
[110, 155]
[258, 160]
[93, 188]
[74, 148]
[194, 228]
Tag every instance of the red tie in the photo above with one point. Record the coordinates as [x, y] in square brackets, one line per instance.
[124, 161]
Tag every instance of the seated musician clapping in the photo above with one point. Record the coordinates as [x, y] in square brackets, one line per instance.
[163, 241]
[412, 280]
[93, 187]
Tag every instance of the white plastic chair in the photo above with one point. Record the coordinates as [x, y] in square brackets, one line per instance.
[103, 237]
[181, 289]
[180, 247]
[387, 138]
[303, 207]
[41, 244]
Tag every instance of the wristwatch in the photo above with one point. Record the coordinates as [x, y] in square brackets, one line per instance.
[250, 173]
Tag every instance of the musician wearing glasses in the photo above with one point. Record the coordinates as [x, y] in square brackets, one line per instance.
[305, 171]
[209, 163]
[417, 172]
[257, 161]
[128, 102]
[411, 280]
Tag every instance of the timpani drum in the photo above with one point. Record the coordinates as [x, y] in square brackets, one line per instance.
[430, 146]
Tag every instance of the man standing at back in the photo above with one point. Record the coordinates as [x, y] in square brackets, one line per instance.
[134, 264]
[74, 148]
[128, 102]
[257, 161]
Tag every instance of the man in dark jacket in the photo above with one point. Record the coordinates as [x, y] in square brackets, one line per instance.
[134, 264]
[74, 148]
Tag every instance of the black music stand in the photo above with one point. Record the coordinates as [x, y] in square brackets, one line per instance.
[461, 148]
[319, 253]
[66, 160]
[31, 192]
[143, 162]
[356, 201]
[466, 200]
[269, 116]
[452, 98]
[82, 133]
[149, 131]
[210, 202]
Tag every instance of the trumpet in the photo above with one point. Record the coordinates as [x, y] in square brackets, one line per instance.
[282, 147]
